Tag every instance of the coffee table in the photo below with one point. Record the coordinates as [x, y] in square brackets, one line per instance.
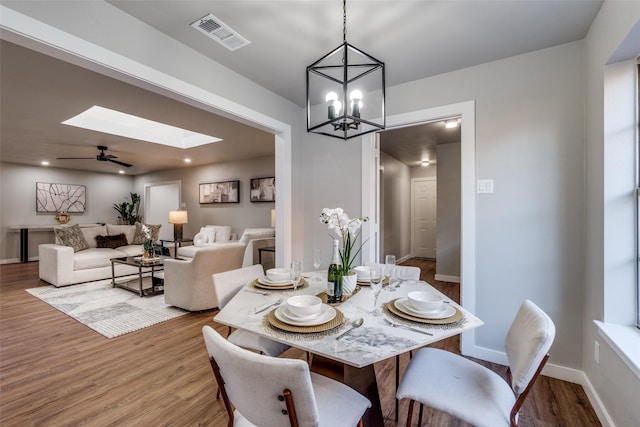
[144, 265]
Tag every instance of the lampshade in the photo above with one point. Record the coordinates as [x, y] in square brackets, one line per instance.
[178, 217]
[346, 92]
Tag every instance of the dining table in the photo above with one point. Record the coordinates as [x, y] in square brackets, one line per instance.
[259, 308]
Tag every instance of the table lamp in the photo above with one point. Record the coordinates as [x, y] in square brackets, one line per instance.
[177, 218]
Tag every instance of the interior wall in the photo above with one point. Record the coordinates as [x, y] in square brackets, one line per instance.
[395, 208]
[18, 203]
[449, 213]
[529, 140]
[239, 216]
[615, 385]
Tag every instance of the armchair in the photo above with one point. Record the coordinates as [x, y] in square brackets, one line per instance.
[187, 283]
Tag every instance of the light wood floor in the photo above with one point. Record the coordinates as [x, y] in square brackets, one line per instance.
[55, 371]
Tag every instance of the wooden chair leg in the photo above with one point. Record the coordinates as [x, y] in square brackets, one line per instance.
[420, 414]
[360, 423]
[410, 412]
[397, 382]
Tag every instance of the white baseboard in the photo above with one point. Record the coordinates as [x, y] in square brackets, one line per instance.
[404, 258]
[445, 278]
[563, 373]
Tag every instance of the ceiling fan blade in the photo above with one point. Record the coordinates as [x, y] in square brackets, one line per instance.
[74, 158]
[126, 165]
[109, 156]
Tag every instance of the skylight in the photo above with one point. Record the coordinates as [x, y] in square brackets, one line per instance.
[117, 123]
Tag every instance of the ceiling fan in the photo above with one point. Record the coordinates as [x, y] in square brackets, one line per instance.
[100, 157]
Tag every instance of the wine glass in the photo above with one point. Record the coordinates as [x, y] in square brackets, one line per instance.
[295, 274]
[390, 269]
[317, 261]
[375, 275]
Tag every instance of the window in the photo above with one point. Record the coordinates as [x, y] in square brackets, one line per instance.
[637, 195]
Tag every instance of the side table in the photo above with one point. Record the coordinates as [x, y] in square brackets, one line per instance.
[176, 244]
[265, 249]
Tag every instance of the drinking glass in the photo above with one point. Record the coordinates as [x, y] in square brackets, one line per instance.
[317, 261]
[295, 274]
[390, 271]
[376, 286]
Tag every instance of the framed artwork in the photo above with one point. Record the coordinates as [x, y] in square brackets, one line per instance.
[52, 197]
[263, 189]
[220, 192]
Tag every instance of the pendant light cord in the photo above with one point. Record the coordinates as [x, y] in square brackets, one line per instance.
[344, 21]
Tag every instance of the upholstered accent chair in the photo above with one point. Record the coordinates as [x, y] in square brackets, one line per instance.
[187, 282]
[264, 391]
[467, 390]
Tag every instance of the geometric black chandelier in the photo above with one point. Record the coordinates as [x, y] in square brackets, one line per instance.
[345, 91]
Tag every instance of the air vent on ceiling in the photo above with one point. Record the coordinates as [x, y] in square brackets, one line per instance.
[217, 30]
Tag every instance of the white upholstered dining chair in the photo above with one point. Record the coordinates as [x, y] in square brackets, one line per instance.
[273, 392]
[226, 285]
[467, 390]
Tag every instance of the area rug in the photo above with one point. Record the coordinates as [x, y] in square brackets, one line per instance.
[109, 311]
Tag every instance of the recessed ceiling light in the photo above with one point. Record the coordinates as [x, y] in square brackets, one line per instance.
[44, 163]
[121, 172]
[450, 124]
[187, 160]
[425, 163]
[117, 123]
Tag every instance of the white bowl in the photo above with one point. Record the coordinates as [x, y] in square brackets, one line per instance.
[278, 274]
[304, 305]
[422, 301]
[363, 272]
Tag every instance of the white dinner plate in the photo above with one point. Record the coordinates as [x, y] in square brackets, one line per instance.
[267, 282]
[327, 314]
[445, 311]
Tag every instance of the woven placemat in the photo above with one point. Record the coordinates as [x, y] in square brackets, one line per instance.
[303, 284]
[333, 323]
[385, 282]
[323, 296]
[451, 319]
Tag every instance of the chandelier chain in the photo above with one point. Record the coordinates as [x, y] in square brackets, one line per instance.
[344, 21]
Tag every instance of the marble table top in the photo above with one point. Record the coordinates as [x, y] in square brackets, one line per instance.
[374, 341]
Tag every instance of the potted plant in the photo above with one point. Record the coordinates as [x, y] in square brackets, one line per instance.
[128, 211]
[346, 230]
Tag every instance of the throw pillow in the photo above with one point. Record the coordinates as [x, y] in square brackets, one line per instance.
[71, 236]
[200, 239]
[210, 233]
[111, 242]
[139, 237]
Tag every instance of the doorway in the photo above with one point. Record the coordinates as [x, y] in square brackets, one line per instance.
[424, 217]
[159, 199]
[370, 164]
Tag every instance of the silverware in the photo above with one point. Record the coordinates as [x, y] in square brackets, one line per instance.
[355, 324]
[270, 305]
[265, 293]
[399, 325]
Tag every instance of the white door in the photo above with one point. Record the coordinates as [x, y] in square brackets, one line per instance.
[424, 217]
[161, 198]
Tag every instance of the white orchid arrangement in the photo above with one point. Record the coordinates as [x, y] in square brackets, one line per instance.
[347, 230]
[148, 237]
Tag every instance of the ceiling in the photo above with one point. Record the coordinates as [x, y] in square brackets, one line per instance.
[415, 39]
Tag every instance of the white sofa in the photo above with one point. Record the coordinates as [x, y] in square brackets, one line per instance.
[252, 238]
[61, 265]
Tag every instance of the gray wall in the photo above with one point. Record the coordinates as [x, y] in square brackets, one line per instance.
[448, 208]
[395, 208]
[18, 202]
[103, 190]
[238, 215]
